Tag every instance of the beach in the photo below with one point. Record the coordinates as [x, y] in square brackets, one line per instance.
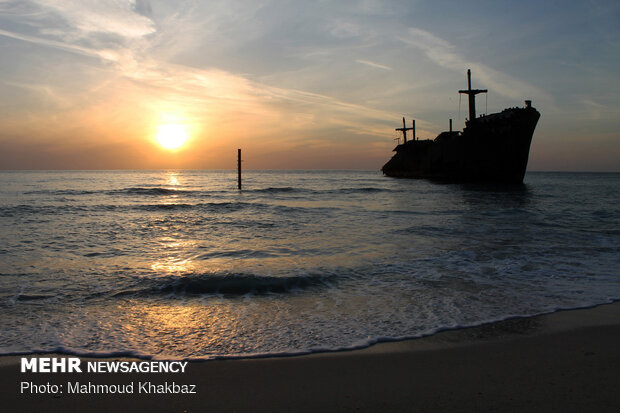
[564, 361]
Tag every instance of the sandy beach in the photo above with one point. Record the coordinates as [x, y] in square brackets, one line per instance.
[565, 361]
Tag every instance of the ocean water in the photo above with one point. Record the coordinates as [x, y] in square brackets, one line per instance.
[180, 264]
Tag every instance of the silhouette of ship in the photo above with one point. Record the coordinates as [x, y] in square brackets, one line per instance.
[491, 148]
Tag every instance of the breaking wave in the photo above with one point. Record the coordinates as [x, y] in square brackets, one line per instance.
[150, 191]
[230, 284]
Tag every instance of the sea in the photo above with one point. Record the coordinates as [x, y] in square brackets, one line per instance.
[181, 264]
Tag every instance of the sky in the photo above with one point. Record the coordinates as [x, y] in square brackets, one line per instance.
[89, 84]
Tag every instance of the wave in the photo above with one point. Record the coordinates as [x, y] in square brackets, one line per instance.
[203, 207]
[60, 192]
[150, 191]
[155, 191]
[363, 190]
[347, 190]
[231, 284]
[146, 190]
[24, 209]
[507, 324]
[274, 190]
[218, 207]
[33, 297]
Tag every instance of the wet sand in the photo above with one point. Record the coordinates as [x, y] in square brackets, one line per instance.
[568, 361]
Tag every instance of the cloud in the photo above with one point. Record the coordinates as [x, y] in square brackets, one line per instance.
[143, 7]
[595, 110]
[127, 19]
[373, 64]
[444, 54]
[85, 51]
[141, 56]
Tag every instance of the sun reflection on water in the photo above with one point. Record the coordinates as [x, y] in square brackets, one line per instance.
[174, 259]
[171, 329]
[172, 178]
[172, 185]
[171, 265]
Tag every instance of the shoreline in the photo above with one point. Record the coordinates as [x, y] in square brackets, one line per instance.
[565, 361]
[13, 358]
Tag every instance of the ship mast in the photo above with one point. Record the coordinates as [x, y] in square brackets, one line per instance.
[404, 130]
[472, 96]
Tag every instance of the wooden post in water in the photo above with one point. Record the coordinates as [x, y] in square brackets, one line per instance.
[239, 168]
[450, 125]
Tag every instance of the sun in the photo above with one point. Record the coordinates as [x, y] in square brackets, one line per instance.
[172, 135]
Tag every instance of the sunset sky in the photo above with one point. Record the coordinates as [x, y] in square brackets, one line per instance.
[91, 84]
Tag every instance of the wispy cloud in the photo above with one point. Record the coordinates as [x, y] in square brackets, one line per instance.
[192, 90]
[444, 54]
[373, 64]
[125, 18]
[85, 51]
[284, 72]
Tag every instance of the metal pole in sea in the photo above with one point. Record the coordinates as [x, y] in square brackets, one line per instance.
[239, 168]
